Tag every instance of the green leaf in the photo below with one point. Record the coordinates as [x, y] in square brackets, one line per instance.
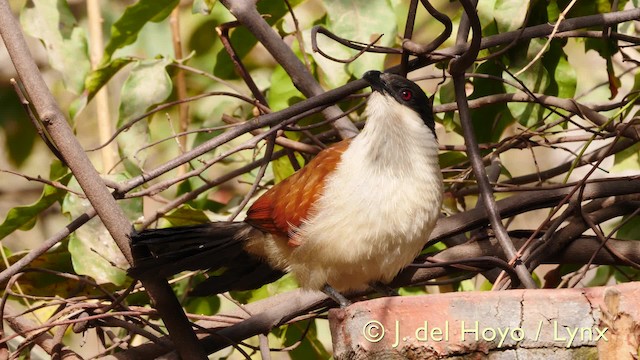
[99, 77]
[510, 14]
[606, 49]
[627, 160]
[19, 134]
[358, 20]
[148, 84]
[209, 305]
[489, 121]
[243, 41]
[44, 284]
[52, 22]
[38, 283]
[412, 290]
[285, 283]
[535, 78]
[624, 274]
[24, 217]
[282, 93]
[553, 11]
[630, 230]
[93, 251]
[310, 347]
[126, 29]
[563, 81]
[186, 215]
[485, 13]
[95, 80]
[445, 95]
[602, 276]
[451, 158]
[282, 167]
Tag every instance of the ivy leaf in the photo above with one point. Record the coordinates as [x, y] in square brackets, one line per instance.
[24, 217]
[126, 29]
[52, 22]
[148, 84]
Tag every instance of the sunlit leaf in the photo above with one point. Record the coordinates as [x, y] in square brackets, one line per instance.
[485, 11]
[563, 81]
[553, 11]
[282, 93]
[627, 159]
[285, 283]
[510, 14]
[451, 158]
[282, 167]
[148, 84]
[126, 29]
[186, 215]
[52, 22]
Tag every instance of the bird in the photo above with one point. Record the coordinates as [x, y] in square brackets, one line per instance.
[358, 213]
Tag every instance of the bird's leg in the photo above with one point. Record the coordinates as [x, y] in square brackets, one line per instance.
[383, 289]
[336, 296]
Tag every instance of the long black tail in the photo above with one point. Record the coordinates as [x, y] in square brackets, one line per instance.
[212, 246]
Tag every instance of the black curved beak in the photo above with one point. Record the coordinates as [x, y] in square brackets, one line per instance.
[374, 80]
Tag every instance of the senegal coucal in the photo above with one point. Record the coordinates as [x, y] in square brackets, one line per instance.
[355, 215]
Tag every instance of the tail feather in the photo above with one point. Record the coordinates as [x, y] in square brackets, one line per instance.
[212, 246]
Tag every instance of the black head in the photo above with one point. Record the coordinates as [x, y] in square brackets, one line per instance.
[404, 91]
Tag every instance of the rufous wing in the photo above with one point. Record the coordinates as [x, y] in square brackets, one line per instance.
[286, 205]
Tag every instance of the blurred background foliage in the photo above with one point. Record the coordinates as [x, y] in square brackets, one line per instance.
[138, 68]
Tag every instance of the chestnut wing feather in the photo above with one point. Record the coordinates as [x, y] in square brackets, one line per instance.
[283, 207]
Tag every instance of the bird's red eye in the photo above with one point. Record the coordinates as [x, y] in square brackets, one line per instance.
[406, 95]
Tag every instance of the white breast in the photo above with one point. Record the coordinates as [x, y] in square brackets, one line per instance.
[379, 206]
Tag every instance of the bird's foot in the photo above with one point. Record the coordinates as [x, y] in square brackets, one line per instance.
[336, 296]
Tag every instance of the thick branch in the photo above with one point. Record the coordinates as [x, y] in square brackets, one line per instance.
[97, 193]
